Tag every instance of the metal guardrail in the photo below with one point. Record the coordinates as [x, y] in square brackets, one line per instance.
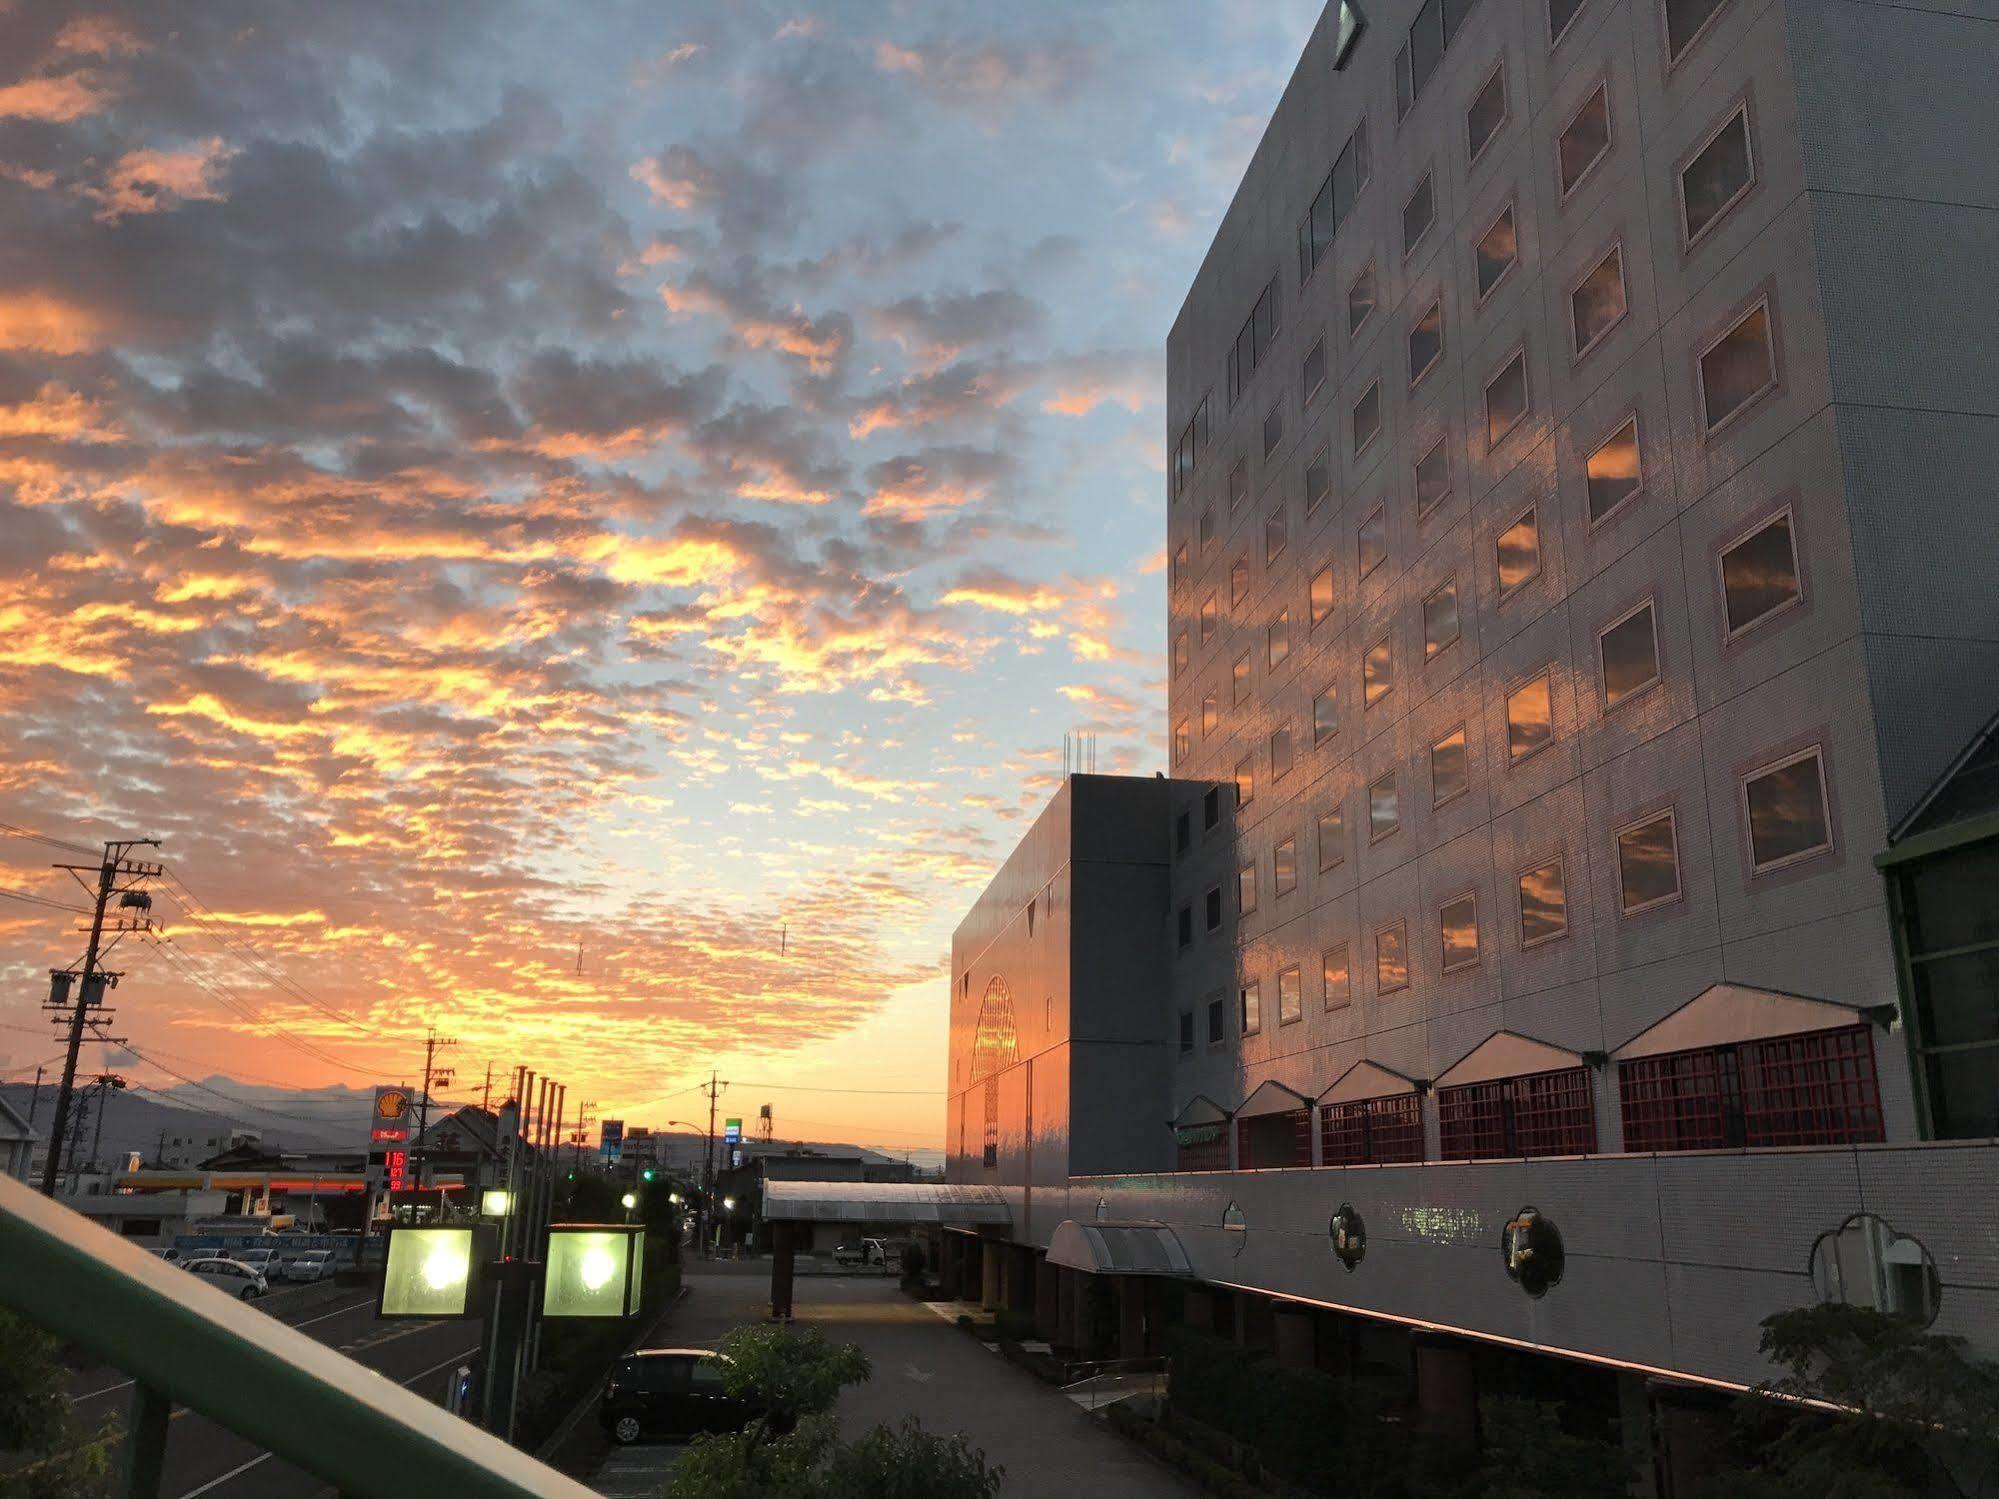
[186, 1343]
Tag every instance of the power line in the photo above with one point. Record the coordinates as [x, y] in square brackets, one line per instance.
[11, 830]
[222, 994]
[884, 1092]
[43, 900]
[189, 903]
[241, 1103]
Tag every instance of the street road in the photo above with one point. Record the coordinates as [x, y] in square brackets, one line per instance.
[211, 1461]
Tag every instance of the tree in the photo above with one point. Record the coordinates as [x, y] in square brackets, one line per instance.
[1924, 1413]
[907, 1462]
[57, 1457]
[791, 1372]
[1527, 1455]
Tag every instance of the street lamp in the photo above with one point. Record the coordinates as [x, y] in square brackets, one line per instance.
[629, 1200]
[496, 1202]
[728, 1204]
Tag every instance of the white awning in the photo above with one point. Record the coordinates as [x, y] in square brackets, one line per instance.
[1504, 1054]
[884, 1202]
[1726, 1014]
[1200, 1109]
[1272, 1097]
[1118, 1248]
[1366, 1080]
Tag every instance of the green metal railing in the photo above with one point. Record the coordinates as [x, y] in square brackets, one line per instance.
[190, 1344]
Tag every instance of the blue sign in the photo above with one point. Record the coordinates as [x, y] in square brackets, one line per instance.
[612, 1147]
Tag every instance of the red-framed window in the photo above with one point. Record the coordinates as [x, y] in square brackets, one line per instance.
[1543, 1113]
[1274, 1140]
[1371, 1131]
[1202, 1147]
[1818, 1088]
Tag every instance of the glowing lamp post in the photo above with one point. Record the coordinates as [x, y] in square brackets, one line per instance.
[496, 1202]
[431, 1273]
[593, 1271]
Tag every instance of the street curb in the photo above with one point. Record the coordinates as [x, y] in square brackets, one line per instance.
[556, 1438]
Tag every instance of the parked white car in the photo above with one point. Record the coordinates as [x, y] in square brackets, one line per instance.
[231, 1276]
[865, 1252]
[309, 1265]
[264, 1261]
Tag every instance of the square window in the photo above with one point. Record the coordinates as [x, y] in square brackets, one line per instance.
[1759, 574]
[1497, 252]
[1377, 673]
[1186, 926]
[1245, 781]
[1275, 534]
[1391, 959]
[1560, 14]
[1738, 367]
[1181, 655]
[1183, 740]
[1487, 114]
[1457, 922]
[1280, 753]
[1239, 676]
[1318, 479]
[1214, 908]
[1544, 903]
[1506, 400]
[1319, 594]
[1186, 1033]
[1426, 342]
[1238, 482]
[1366, 417]
[1278, 638]
[1648, 864]
[1180, 564]
[1614, 471]
[1325, 714]
[1207, 529]
[1273, 429]
[1332, 838]
[1433, 477]
[1629, 653]
[1211, 808]
[1597, 304]
[1336, 974]
[1250, 1000]
[1384, 811]
[1585, 140]
[1440, 620]
[1238, 581]
[1209, 716]
[1313, 373]
[1417, 215]
[1720, 173]
[1217, 1023]
[1284, 866]
[1785, 805]
[1211, 611]
[1685, 20]
[1360, 299]
[1290, 998]
[1519, 552]
[1245, 886]
[1350, 26]
[1530, 717]
[1450, 768]
[1371, 541]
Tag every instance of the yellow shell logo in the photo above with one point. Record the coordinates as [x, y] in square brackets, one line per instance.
[391, 1104]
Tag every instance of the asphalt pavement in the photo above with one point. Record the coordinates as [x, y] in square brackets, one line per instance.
[205, 1459]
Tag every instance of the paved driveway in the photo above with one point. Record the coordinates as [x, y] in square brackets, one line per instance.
[923, 1367]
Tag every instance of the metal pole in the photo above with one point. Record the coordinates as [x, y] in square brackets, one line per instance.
[107, 874]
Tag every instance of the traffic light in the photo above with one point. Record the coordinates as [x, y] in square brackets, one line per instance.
[647, 1173]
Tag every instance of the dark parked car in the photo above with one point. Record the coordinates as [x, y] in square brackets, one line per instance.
[671, 1392]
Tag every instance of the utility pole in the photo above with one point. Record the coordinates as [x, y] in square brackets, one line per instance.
[106, 1083]
[714, 1090]
[89, 985]
[433, 1076]
[582, 1133]
[486, 1093]
[35, 1100]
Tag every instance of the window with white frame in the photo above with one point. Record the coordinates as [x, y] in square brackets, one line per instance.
[1585, 140]
[1391, 958]
[1738, 367]
[1384, 807]
[1648, 863]
[1450, 768]
[1530, 717]
[1440, 620]
[1628, 654]
[1332, 837]
[1284, 865]
[1597, 303]
[1615, 471]
[1517, 553]
[1544, 903]
[1377, 672]
[1426, 342]
[1785, 806]
[1498, 250]
[1718, 176]
[1457, 925]
[1759, 574]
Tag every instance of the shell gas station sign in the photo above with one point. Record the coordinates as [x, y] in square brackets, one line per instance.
[389, 1120]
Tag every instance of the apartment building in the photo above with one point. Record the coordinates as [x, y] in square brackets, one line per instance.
[1583, 588]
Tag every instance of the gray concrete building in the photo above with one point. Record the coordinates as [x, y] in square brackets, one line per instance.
[1583, 587]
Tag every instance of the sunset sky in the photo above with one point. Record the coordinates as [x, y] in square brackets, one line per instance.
[480, 478]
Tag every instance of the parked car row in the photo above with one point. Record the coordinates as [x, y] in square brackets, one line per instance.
[249, 1272]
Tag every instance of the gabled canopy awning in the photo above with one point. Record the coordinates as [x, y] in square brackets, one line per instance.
[1272, 1097]
[884, 1202]
[1505, 1054]
[1118, 1248]
[1367, 1080]
[1728, 1014]
[1200, 1109]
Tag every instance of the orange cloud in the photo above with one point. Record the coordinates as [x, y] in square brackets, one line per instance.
[149, 181]
[98, 36]
[40, 323]
[58, 413]
[56, 100]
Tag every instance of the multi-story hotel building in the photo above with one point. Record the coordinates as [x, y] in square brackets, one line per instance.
[1584, 645]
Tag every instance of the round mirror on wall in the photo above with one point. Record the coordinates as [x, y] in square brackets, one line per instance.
[1865, 1262]
[1348, 1235]
[1235, 1223]
[1532, 1247]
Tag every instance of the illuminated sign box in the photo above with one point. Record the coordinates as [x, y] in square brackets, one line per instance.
[433, 1273]
[593, 1270]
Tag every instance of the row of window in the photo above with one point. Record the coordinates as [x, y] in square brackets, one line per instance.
[1786, 818]
[1819, 1088]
